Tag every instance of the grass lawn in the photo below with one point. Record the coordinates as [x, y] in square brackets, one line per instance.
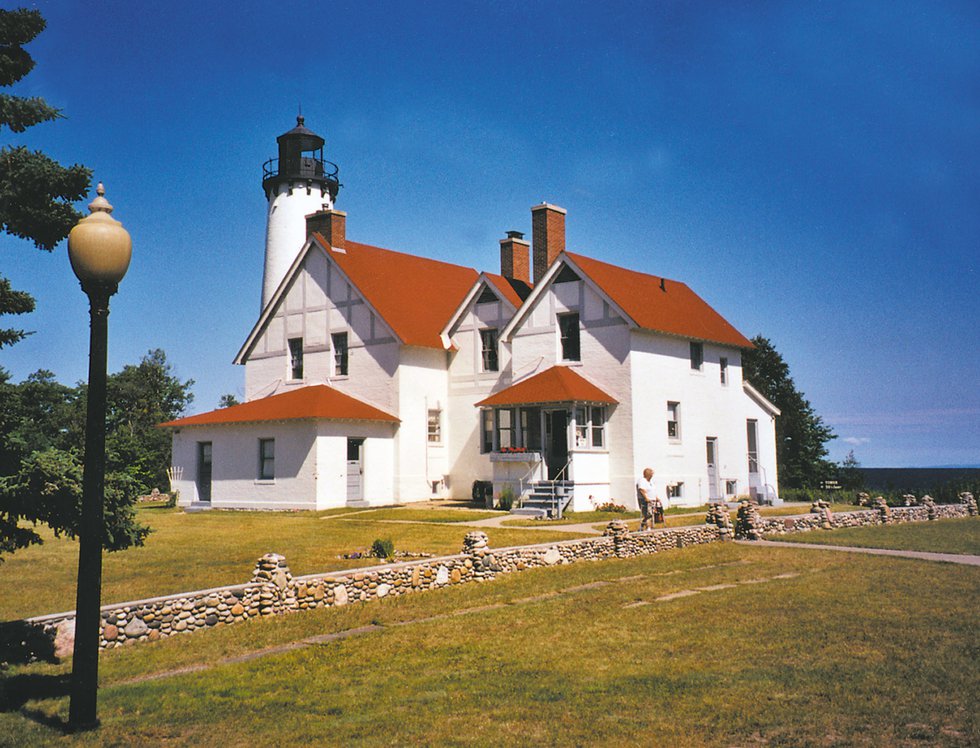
[919, 536]
[208, 549]
[410, 514]
[715, 645]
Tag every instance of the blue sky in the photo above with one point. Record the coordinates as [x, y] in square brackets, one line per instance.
[811, 169]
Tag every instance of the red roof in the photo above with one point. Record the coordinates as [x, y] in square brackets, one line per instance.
[505, 287]
[673, 309]
[559, 384]
[414, 295]
[315, 401]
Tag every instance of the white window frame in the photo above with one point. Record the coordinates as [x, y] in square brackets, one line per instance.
[295, 361]
[723, 373]
[574, 331]
[675, 490]
[489, 353]
[674, 419]
[590, 420]
[341, 354]
[267, 461]
[434, 426]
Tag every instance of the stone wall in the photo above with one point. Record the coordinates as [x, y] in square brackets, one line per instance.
[273, 590]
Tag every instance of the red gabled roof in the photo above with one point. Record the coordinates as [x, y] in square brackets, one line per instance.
[559, 384]
[508, 288]
[414, 295]
[315, 401]
[675, 309]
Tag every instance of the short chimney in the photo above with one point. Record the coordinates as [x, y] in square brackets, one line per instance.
[330, 224]
[548, 233]
[515, 259]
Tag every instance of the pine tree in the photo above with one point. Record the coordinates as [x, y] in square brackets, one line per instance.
[36, 192]
[801, 435]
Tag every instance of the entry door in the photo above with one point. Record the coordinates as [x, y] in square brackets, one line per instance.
[355, 470]
[556, 442]
[204, 471]
[712, 454]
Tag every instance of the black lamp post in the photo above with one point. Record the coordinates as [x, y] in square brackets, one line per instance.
[99, 249]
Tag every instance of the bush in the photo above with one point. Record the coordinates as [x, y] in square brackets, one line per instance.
[383, 548]
[611, 506]
[506, 498]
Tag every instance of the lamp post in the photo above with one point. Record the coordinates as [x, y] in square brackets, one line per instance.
[99, 249]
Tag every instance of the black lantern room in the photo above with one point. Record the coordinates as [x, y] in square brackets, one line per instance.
[300, 163]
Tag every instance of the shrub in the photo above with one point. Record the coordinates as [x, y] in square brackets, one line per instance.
[611, 506]
[383, 548]
[506, 498]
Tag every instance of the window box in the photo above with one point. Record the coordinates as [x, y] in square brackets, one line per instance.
[515, 457]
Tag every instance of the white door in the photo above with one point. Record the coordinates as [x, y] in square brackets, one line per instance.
[711, 449]
[355, 470]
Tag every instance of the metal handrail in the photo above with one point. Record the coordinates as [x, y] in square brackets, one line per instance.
[556, 506]
[523, 491]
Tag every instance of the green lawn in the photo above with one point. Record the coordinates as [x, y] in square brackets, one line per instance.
[919, 536]
[777, 646]
[208, 549]
[409, 514]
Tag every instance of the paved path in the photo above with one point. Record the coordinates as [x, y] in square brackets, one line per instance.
[949, 558]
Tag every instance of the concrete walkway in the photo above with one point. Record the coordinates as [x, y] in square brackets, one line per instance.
[949, 558]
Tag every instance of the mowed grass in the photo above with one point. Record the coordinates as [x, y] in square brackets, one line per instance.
[410, 514]
[715, 645]
[208, 549]
[941, 536]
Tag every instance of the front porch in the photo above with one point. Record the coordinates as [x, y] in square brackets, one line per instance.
[546, 437]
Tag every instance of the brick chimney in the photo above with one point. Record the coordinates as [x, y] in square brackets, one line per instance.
[548, 233]
[330, 224]
[515, 257]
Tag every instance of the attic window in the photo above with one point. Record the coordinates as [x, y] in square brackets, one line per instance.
[296, 358]
[566, 275]
[487, 297]
[569, 335]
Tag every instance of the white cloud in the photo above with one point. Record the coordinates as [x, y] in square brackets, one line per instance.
[856, 440]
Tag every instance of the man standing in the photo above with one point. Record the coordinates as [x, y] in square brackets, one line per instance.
[645, 497]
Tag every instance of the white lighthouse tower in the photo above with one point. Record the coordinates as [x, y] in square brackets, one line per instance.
[296, 184]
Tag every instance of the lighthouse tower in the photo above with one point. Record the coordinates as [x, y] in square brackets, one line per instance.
[296, 184]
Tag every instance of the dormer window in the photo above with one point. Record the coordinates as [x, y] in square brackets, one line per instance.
[569, 334]
[296, 358]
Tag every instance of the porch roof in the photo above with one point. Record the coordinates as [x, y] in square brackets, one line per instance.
[315, 401]
[559, 384]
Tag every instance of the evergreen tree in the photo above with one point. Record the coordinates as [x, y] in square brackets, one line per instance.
[849, 473]
[36, 192]
[801, 435]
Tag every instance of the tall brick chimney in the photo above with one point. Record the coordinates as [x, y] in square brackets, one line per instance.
[330, 224]
[548, 234]
[515, 259]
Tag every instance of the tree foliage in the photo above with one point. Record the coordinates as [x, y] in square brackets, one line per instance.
[42, 425]
[801, 434]
[36, 192]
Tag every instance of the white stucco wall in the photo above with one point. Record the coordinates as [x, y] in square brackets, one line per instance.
[235, 465]
[377, 457]
[468, 384]
[421, 384]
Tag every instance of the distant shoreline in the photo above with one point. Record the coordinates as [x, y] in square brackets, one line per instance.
[916, 478]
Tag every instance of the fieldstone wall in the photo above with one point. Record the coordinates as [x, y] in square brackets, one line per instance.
[273, 590]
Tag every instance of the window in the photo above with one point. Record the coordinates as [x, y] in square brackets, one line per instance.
[597, 423]
[752, 437]
[590, 427]
[505, 428]
[697, 356]
[675, 490]
[724, 370]
[673, 421]
[488, 345]
[530, 428]
[486, 441]
[340, 356]
[731, 487]
[296, 358]
[568, 331]
[267, 459]
[435, 426]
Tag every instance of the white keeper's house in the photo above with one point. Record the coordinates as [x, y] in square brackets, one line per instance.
[377, 377]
